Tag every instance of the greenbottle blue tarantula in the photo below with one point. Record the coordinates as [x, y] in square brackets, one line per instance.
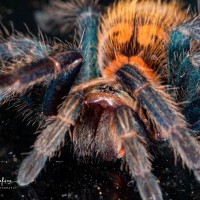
[134, 80]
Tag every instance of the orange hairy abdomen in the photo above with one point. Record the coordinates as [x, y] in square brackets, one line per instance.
[137, 32]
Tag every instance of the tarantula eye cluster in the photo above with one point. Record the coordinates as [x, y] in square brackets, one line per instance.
[106, 88]
[116, 85]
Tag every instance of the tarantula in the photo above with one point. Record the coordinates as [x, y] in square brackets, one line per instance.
[134, 81]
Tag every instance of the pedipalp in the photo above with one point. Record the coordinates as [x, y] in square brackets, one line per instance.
[127, 125]
[51, 139]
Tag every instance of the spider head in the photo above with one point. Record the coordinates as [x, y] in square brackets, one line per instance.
[92, 134]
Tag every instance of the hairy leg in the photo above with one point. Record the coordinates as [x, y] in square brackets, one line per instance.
[82, 16]
[40, 71]
[184, 71]
[51, 138]
[164, 114]
[129, 127]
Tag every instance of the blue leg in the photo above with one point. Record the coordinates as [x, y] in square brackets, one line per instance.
[184, 72]
[84, 16]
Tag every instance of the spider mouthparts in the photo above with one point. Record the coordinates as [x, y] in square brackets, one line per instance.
[105, 100]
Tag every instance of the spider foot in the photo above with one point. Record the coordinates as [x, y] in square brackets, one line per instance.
[148, 187]
[30, 168]
[140, 168]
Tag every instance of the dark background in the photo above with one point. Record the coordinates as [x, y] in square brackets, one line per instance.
[65, 177]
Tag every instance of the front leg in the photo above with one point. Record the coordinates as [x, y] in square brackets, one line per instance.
[163, 113]
[40, 71]
[51, 139]
[83, 16]
[127, 125]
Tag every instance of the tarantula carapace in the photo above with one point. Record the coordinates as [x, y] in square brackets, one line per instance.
[122, 88]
